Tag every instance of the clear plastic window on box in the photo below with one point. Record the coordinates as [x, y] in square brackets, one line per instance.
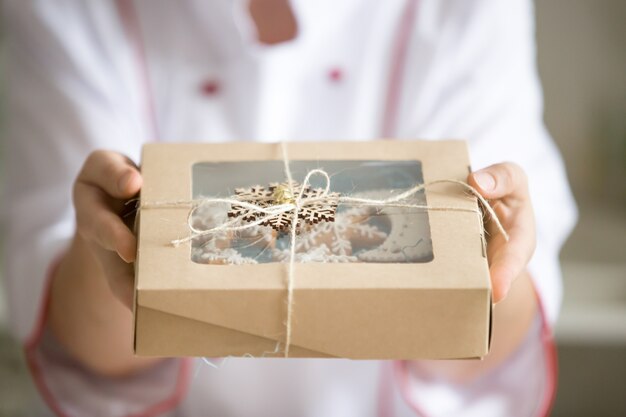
[359, 233]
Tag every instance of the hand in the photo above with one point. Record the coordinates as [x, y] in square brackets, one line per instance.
[92, 288]
[506, 186]
[106, 181]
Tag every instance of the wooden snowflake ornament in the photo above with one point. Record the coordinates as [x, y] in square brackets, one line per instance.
[256, 195]
[315, 205]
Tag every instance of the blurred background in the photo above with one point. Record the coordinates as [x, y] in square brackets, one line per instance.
[582, 62]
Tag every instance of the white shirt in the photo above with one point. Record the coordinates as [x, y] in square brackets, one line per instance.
[104, 74]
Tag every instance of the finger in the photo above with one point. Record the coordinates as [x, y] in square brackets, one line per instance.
[98, 224]
[509, 259]
[505, 180]
[112, 172]
[120, 276]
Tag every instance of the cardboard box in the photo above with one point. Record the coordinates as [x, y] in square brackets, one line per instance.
[436, 308]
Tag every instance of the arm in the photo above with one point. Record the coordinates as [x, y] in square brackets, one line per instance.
[92, 289]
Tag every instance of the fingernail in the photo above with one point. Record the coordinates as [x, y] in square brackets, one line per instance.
[502, 293]
[126, 259]
[123, 182]
[485, 180]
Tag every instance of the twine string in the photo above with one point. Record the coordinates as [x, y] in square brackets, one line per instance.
[272, 211]
[292, 242]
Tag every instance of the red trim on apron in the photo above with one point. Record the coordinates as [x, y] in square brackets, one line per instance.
[385, 390]
[403, 34]
[550, 357]
[132, 28]
[552, 361]
[130, 21]
[35, 368]
[389, 127]
[33, 341]
[403, 37]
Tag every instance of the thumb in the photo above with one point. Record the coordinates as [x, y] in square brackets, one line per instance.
[500, 180]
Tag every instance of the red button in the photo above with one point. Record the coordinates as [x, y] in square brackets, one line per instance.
[335, 74]
[210, 88]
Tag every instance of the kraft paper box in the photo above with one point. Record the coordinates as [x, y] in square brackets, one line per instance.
[368, 282]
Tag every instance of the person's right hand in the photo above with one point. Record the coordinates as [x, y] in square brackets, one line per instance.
[106, 181]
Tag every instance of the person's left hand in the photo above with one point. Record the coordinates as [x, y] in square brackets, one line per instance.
[505, 185]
